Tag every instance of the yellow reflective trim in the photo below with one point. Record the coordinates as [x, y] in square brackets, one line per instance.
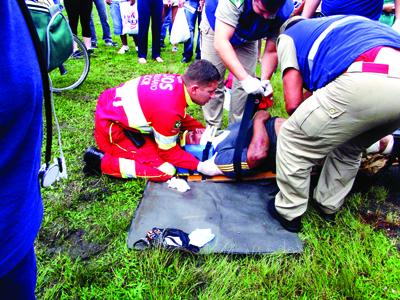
[167, 168]
[189, 100]
[127, 168]
[129, 100]
[165, 142]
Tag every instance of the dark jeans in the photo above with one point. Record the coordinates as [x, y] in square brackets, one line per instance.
[149, 9]
[191, 18]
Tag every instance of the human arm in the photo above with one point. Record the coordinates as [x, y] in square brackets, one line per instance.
[292, 89]
[310, 7]
[190, 123]
[269, 60]
[224, 48]
[258, 149]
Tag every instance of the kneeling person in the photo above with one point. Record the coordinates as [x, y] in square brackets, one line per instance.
[138, 123]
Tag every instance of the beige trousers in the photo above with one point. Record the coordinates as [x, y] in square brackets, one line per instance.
[337, 123]
[247, 54]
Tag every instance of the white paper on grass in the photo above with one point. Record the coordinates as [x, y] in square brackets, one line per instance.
[200, 237]
[180, 32]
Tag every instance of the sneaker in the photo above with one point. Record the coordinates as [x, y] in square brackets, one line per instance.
[174, 49]
[94, 44]
[123, 49]
[111, 44]
[142, 60]
[159, 59]
[77, 54]
[92, 159]
[292, 226]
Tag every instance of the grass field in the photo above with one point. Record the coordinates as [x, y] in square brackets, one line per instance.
[82, 252]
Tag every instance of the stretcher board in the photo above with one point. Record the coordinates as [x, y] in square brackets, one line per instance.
[235, 212]
[222, 178]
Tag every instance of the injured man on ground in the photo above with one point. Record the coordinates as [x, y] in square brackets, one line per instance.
[259, 151]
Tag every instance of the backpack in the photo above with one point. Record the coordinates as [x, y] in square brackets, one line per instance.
[54, 33]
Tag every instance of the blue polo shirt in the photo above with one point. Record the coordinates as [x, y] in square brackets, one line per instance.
[20, 138]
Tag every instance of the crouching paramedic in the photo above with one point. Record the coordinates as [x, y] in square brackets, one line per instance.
[138, 124]
[352, 66]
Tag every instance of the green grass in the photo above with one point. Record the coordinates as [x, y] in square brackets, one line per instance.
[82, 252]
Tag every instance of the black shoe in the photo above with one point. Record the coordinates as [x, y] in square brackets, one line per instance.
[292, 226]
[90, 51]
[94, 44]
[185, 60]
[77, 54]
[331, 218]
[92, 159]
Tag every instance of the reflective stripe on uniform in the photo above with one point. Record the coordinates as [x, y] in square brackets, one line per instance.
[165, 142]
[167, 168]
[323, 35]
[130, 102]
[127, 168]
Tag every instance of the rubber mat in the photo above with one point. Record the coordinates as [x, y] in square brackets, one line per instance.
[236, 213]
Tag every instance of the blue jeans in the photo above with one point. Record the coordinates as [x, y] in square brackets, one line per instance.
[191, 18]
[167, 25]
[101, 10]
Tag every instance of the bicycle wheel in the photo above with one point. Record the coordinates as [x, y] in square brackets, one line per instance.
[73, 71]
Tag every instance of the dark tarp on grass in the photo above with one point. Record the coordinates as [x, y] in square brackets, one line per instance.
[235, 212]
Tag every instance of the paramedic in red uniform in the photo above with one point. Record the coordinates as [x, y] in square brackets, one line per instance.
[138, 124]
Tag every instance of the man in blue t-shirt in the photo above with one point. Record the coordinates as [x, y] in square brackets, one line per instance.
[349, 63]
[230, 30]
[20, 146]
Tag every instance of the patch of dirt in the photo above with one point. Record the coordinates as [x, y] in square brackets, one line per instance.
[381, 208]
[71, 242]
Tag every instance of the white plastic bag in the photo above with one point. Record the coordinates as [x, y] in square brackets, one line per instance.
[180, 32]
[129, 16]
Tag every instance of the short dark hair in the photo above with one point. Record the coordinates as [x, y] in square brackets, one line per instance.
[201, 72]
[272, 5]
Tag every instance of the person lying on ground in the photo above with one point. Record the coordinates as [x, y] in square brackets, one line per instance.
[137, 124]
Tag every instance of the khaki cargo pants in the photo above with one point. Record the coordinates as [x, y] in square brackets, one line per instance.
[247, 54]
[337, 123]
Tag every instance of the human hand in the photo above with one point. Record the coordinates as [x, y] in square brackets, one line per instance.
[209, 167]
[252, 85]
[268, 90]
[181, 3]
[108, 2]
[133, 2]
[208, 135]
[261, 116]
[396, 26]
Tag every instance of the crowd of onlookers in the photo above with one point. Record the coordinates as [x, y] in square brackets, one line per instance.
[159, 13]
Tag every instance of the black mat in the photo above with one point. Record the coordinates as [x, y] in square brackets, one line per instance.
[235, 212]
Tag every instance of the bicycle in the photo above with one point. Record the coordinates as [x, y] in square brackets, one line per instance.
[73, 72]
[67, 70]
